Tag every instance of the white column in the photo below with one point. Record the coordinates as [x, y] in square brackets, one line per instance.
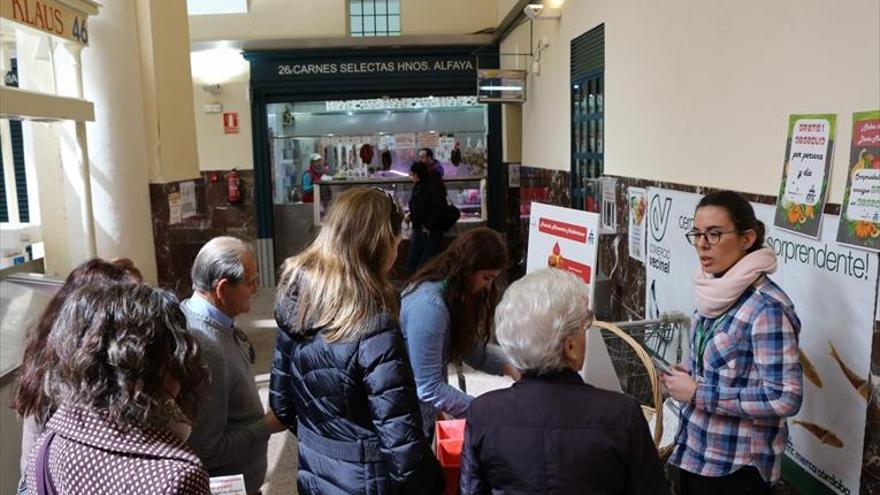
[117, 149]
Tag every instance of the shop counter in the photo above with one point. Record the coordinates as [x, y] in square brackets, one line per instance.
[467, 193]
[23, 297]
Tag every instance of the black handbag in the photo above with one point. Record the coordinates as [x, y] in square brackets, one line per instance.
[450, 217]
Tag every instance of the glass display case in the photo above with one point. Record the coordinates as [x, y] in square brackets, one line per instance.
[466, 193]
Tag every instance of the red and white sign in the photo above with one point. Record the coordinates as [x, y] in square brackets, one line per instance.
[561, 229]
[563, 238]
[230, 122]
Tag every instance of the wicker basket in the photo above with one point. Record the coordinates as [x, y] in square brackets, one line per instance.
[655, 411]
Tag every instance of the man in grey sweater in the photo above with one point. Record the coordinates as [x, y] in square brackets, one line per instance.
[231, 430]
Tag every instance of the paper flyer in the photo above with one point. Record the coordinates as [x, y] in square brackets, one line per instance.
[805, 174]
[637, 204]
[860, 209]
[228, 485]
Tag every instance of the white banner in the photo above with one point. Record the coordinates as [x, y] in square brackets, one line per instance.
[832, 288]
[564, 238]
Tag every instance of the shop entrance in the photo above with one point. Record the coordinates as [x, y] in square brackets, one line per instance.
[367, 112]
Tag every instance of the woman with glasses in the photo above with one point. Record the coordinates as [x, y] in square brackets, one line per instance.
[551, 432]
[341, 380]
[744, 376]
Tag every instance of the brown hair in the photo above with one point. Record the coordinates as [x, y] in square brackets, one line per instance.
[341, 277]
[30, 398]
[740, 212]
[114, 347]
[470, 314]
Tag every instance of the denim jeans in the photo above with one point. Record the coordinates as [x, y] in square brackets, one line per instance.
[422, 247]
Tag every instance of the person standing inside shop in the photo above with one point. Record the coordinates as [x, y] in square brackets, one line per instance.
[744, 376]
[311, 176]
[341, 380]
[427, 208]
[446, 316]
[426, 156]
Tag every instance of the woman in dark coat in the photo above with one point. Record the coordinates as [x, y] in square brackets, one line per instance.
[551, 432]
[427, 209]
[341, 380]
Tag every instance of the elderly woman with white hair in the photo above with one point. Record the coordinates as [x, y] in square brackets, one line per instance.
[551, 432]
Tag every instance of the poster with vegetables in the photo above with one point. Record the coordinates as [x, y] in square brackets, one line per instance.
[638, 206]
[805, 174]
[860, 222]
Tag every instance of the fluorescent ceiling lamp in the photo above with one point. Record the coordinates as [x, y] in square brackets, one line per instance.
[501, 88]
[214, 7]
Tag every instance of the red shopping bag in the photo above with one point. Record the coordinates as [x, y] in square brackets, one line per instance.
[448, 437]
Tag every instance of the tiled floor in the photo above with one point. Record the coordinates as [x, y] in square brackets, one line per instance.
[260, 327]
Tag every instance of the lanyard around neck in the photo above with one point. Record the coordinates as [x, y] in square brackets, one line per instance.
[703, 337]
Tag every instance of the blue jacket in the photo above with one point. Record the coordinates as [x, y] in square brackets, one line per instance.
[353, 407]
[425, 322]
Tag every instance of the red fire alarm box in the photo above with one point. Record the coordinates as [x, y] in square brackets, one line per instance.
[230, 122]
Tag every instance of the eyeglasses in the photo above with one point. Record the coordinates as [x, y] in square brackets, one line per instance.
[712, 237]
[396, 215]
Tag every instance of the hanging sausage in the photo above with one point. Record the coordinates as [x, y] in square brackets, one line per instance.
[387, 159]
[455, 157]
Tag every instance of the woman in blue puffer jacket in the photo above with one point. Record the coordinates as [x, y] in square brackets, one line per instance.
[341, 379]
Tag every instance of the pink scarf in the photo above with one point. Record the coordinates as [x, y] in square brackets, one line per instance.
[714, 296]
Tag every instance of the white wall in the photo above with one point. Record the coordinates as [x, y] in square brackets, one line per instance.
[268, 19]
[119, 141]
[447, 16]
[292, 19]
[218, 150]
[699, 91]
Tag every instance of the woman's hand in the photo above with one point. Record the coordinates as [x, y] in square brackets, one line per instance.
[679, 384]
[509, 370]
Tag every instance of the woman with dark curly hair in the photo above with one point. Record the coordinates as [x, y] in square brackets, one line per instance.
[446, 317]
[30, 401]
[123, 379]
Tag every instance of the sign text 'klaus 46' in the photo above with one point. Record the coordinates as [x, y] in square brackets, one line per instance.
[49, 16]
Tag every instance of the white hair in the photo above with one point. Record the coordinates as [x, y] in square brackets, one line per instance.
[219, 258]
[535, 316]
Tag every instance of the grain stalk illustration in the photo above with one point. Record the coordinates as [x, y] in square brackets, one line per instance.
[809, 370]
[823, 434]
[860, 384]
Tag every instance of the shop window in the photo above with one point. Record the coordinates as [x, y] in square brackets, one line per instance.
[17, 174]
[374, 18]
[587, 116]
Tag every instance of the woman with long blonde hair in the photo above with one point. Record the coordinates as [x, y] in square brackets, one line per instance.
[341, 379]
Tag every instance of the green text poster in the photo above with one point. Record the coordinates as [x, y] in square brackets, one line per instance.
[805, 174]
[860, 210]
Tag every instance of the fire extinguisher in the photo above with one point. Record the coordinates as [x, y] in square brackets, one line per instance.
[233, 187]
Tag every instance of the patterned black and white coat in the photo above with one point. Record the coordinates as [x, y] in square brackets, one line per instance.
[88, 455]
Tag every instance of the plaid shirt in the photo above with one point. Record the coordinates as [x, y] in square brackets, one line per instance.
[750, 382]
